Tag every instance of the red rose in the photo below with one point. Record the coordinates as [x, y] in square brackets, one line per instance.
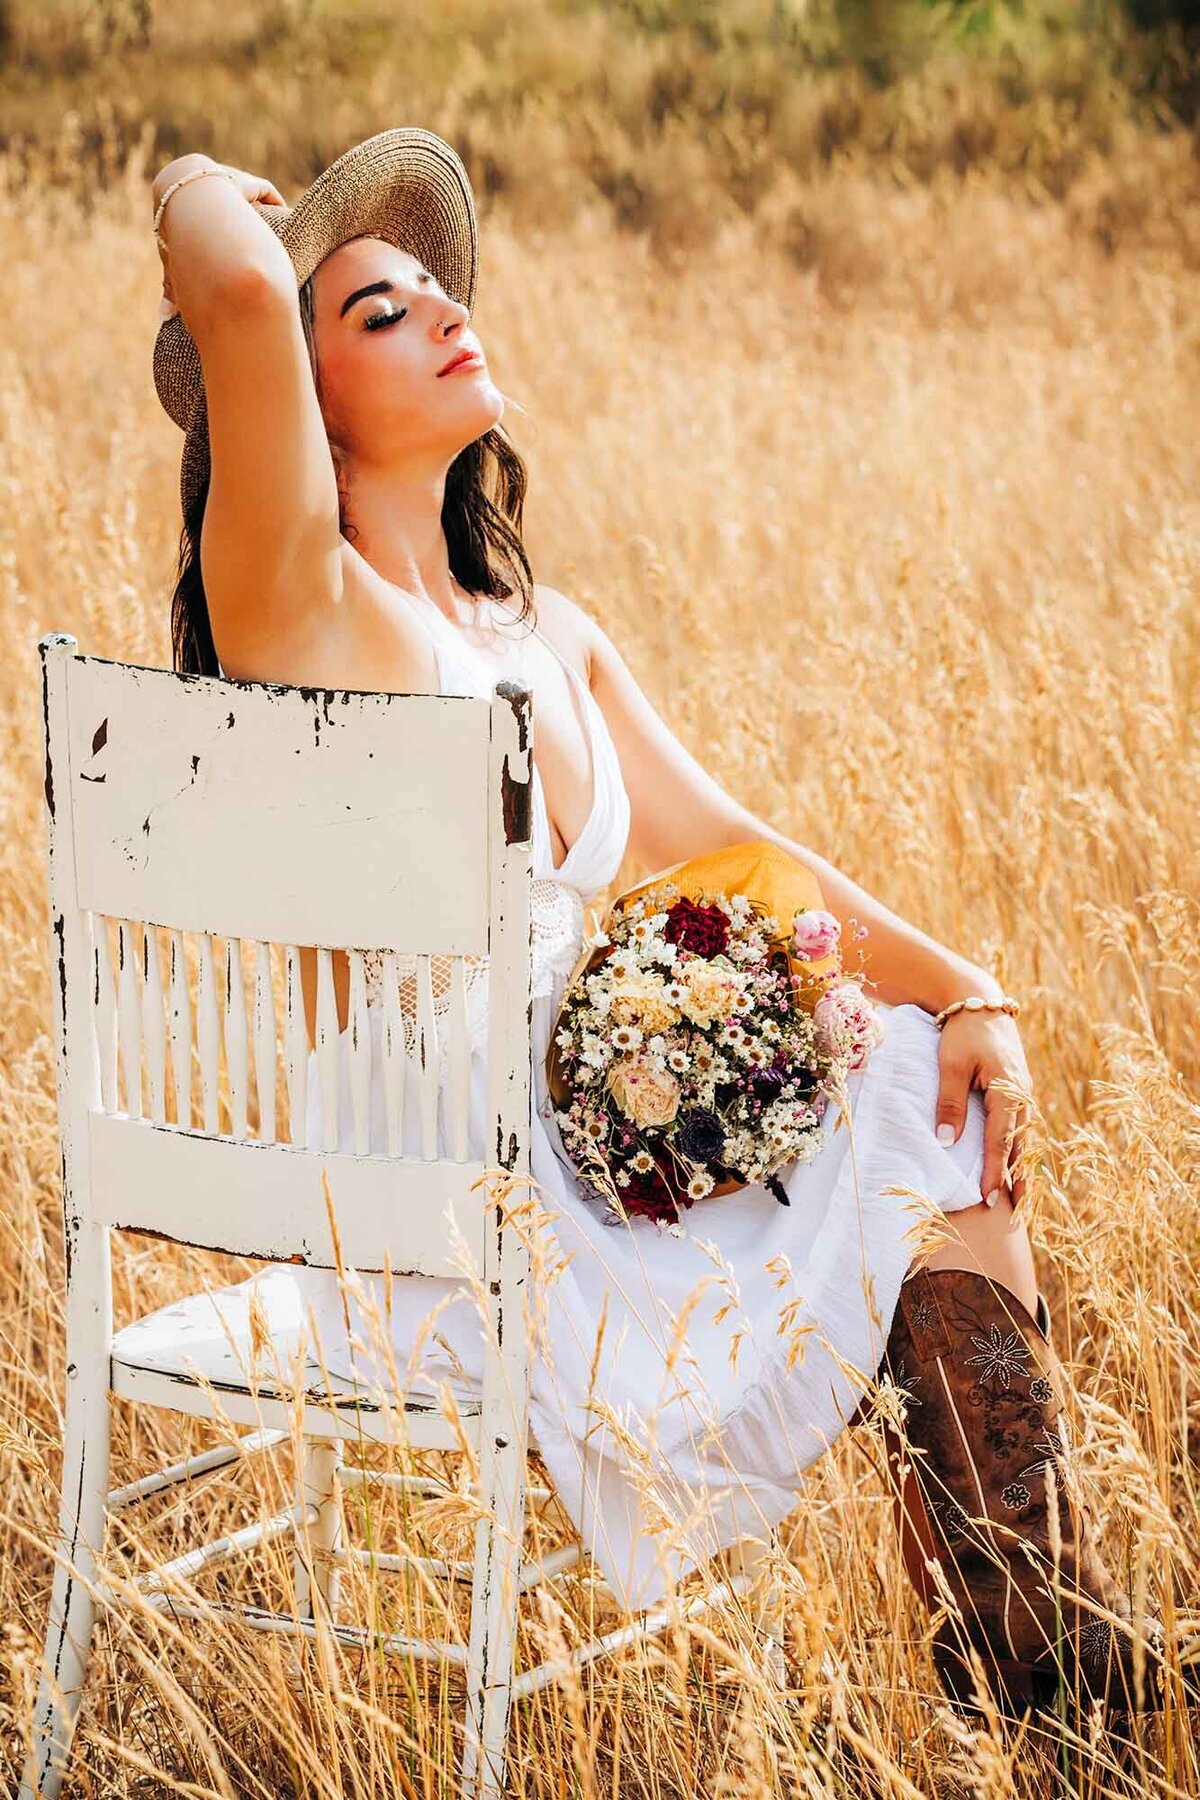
[650, 1196]
[704, 930]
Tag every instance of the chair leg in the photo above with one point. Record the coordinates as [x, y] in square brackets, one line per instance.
[315, 1572]
[494, 1601]
[72, 1616]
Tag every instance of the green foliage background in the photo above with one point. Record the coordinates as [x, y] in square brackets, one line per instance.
[674, 114]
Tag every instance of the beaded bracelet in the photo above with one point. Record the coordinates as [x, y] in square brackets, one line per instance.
[976, 1003]
[192, 175]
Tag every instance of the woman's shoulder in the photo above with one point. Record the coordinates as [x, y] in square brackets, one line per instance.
[569, 628]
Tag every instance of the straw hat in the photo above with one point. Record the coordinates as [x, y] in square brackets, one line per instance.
[405, 185]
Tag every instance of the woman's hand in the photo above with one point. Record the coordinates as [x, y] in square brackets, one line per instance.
[978, 1048]
[253, 187]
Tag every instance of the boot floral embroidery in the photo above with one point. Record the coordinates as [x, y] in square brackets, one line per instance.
[952, 1518]
[906, 1384]
[1000, 1356]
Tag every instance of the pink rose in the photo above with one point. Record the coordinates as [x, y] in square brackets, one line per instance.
[848, 1022]
[815, 933]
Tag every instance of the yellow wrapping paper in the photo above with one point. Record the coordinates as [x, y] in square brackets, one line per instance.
[766, 874]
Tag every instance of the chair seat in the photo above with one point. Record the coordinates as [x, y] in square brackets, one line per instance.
[209, 1341]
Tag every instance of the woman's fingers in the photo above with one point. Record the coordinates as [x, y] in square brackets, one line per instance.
[954, 1077]
[1000, 1125]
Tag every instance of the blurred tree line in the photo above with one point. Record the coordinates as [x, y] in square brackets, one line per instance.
[676, 113]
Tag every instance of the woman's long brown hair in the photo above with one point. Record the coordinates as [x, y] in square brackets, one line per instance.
[483, 533]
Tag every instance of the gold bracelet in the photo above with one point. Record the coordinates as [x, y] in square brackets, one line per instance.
[977, 1003]
[192, 175]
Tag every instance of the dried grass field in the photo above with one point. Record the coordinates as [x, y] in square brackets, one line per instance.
[903, 540]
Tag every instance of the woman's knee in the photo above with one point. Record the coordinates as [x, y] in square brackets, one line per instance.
[991, 1240]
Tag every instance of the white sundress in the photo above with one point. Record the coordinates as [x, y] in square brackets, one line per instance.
[678, 1381]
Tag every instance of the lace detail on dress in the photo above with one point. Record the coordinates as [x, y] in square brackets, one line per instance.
[556, 914]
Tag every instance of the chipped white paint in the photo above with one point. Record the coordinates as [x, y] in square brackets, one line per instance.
[233, 1011]
[180, 1031]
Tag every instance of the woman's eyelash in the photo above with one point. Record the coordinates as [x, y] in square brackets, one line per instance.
[388, 318]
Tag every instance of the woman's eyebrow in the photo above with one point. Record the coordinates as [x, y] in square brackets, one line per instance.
[383, 286]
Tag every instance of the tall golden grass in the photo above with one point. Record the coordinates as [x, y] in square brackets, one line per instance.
[905, 544]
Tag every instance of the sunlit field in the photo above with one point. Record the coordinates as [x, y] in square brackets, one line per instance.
[889, 495]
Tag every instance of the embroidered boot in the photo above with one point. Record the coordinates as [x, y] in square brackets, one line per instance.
[984, 1392]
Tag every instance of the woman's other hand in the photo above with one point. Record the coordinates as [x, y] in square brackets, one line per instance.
[981, 1049]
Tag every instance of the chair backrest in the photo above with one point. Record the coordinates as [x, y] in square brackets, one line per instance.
[389, 826]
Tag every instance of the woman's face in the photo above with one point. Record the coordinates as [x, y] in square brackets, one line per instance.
[384, 329]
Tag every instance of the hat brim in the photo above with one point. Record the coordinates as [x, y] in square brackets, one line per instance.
[405, 185]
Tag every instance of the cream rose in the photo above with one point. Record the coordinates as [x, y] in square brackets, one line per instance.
[647, 1096]
[642, 1002]
[712, 992]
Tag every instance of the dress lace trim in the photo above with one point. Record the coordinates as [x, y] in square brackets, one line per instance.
[556, 937]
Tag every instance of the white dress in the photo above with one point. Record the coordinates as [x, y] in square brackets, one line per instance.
[727, 1357]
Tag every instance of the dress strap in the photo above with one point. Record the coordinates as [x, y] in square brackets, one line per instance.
[564, 660]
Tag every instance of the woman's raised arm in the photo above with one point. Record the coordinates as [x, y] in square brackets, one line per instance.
[271, 541]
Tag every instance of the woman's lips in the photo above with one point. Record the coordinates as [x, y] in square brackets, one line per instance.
[471, 361]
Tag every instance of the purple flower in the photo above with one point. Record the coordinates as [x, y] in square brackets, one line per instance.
[699, 1135]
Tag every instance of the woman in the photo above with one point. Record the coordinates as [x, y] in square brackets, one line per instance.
[345, 538]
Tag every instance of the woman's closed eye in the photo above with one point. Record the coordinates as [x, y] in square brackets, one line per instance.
[375, 320]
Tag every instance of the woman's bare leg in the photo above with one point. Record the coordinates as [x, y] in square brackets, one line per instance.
[991, 1241]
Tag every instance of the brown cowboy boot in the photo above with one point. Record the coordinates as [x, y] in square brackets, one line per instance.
[984, 1390]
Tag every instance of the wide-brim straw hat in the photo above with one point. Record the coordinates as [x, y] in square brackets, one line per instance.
[407, 186]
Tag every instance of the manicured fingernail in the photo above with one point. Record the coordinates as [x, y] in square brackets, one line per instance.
[993, 1196]
[167, 308]
[945, 1134]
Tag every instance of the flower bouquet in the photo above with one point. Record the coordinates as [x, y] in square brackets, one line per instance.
[702, 1032]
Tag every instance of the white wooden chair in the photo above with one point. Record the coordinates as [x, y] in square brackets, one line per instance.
[265, 815]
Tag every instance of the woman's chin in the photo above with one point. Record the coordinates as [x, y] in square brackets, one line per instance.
[485, 407]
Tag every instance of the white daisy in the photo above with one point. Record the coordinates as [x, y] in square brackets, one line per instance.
[621, 967]
[626, 1037]
[700, 1185]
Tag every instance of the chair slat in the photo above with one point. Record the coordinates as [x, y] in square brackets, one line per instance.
[154, 1025]
[268, 1200]
[328, 1071]
[360, 1052]
[459, 1070]
[264, 1042]
[427, 1057]
[208, 1036]
[105, 1011]
[129, 1011]
[394, 1061]
[180, 1000]
[295, 1046]
[233, 999]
